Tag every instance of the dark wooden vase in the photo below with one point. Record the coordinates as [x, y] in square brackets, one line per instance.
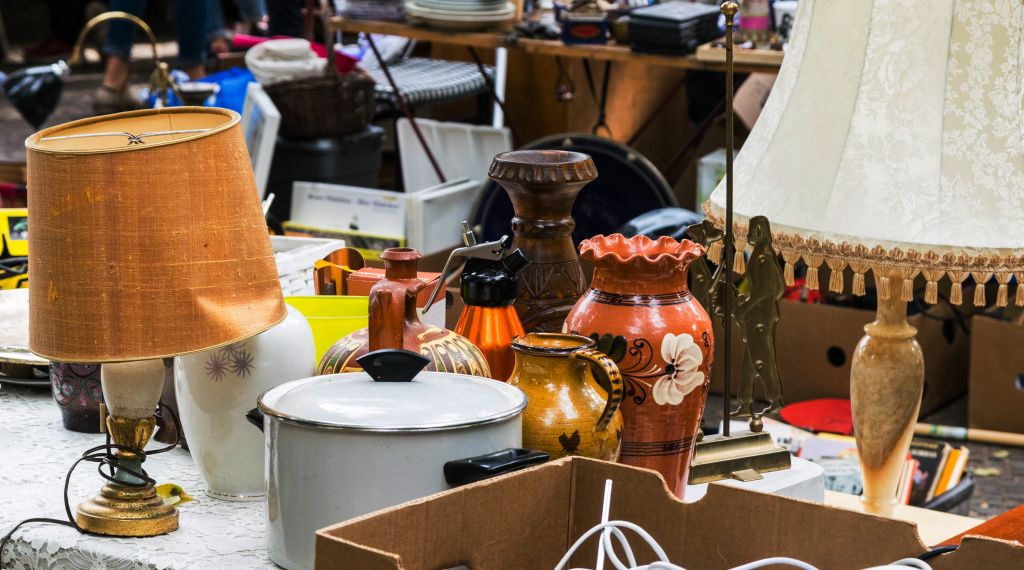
[543, 185]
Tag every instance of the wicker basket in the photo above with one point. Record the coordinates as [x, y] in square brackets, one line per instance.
[331, 106]
[334, 105]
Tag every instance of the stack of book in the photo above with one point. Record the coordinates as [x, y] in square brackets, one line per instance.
[931, 468]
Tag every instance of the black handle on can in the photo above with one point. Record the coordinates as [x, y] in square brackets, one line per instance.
[255, 417]
[393, 364]
[473, 469]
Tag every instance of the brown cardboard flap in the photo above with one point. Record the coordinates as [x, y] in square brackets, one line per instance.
[528, 520]
[978, 552]
[516, 521]
[996, 399]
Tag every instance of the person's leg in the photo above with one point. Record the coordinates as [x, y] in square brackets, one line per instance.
[252, 14]
[251, 10]
[190, 25]
[118, 47]
[215, 34]
[285, 17]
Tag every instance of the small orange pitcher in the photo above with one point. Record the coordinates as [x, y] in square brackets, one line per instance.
[574, 392]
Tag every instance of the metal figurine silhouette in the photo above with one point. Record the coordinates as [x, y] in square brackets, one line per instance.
[755, 314]
[702, 281]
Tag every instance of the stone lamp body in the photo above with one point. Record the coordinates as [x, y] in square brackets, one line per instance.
[886, 384]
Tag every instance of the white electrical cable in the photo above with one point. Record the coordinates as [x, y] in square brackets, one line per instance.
[776, 560]
[606, 548]
[616, 524]
[605, 510]
[608, 529]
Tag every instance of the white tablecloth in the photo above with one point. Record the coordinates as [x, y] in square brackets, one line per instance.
[35, 453]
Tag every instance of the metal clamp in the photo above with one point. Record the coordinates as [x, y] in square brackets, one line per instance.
[492, 250]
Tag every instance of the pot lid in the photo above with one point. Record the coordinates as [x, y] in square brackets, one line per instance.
[397, 399]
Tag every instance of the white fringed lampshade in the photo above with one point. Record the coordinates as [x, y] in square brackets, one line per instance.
[893, 142]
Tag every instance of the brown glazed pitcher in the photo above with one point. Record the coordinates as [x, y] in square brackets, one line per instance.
[569, 413]
[642, 315]
[543, 185]
[394, 323]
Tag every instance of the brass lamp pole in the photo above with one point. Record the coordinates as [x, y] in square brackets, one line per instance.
[160, 81]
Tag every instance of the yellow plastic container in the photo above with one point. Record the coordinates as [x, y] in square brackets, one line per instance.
[332, 317]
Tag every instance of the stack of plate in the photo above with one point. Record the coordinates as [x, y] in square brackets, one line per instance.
[18, 365]
[460, 14]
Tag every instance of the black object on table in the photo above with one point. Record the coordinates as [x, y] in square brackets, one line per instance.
[673, 28]
[353, 160]
[670, 222]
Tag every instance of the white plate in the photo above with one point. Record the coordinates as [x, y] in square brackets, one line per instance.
[489, 17]
[467, 7]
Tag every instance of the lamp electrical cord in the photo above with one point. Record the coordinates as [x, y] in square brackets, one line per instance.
[103, 456]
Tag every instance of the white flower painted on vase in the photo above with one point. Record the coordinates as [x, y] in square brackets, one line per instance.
[682, 358]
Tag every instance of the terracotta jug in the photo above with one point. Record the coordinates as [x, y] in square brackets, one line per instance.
[569, 413]
[543, 185]
[394, 323]
[642, 315]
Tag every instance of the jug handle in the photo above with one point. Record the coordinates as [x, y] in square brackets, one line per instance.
[606, 368]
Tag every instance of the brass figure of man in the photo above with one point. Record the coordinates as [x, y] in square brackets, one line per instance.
[756, 316]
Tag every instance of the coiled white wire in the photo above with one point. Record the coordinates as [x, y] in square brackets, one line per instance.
[614, 529]
[609, 529]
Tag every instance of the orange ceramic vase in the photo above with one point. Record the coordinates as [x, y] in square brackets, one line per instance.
[394, 323]
[641, 313]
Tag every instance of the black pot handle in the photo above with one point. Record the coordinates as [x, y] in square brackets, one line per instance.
[393, 364]
[473, 469]
[255, 417]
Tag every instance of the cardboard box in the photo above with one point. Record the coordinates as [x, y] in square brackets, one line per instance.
[528, 520]
[996, 394]
[815, 345]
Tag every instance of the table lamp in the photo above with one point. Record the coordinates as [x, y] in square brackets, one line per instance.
[148, 241]
[891, 144]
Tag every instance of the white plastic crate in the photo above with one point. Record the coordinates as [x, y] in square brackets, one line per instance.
[295, 257]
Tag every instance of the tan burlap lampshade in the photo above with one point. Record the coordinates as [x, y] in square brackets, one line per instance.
[147, 238]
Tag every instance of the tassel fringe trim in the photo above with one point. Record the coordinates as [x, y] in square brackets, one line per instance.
[886, 265]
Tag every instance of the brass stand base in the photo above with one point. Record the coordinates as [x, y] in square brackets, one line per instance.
[120, 510]
[743, 456]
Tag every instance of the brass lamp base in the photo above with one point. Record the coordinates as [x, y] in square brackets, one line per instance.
[120, 510]
[743, 456]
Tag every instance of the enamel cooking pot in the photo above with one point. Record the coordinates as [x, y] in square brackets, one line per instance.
[344, 445]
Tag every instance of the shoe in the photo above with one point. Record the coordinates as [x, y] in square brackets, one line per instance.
[107, 100]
